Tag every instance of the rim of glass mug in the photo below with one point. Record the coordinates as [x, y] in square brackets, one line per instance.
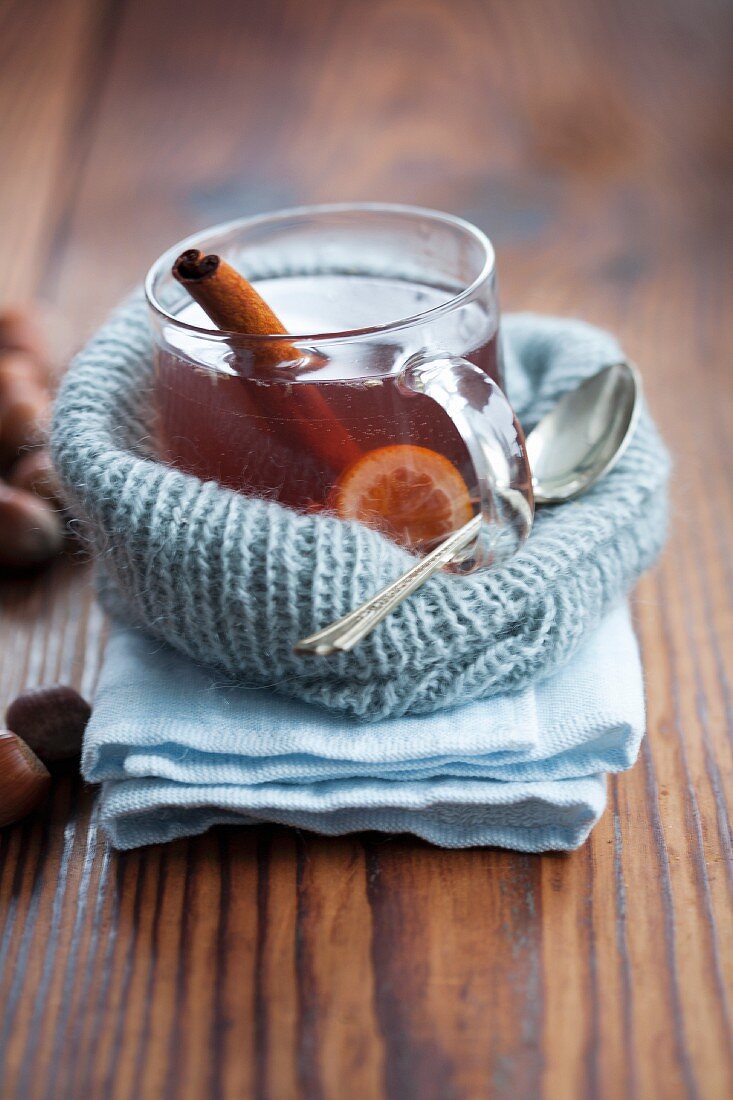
[204, 239]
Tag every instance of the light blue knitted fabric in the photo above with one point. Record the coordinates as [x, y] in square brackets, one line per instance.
[178, 751]
[233, 582]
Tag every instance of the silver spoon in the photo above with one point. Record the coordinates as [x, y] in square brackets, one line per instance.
[573, 446]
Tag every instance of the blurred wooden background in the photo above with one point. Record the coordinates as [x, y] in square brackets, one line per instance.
[594, 142]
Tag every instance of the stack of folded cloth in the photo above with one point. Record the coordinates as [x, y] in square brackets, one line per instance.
[485, 710]
[179, 751]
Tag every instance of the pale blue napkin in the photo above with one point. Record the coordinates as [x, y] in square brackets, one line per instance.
[179, 750]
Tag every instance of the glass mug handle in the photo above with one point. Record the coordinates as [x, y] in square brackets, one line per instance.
[495, 443]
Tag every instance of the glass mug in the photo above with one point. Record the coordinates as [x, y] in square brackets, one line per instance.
[386, 404]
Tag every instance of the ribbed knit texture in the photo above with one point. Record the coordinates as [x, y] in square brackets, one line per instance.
[234, 581]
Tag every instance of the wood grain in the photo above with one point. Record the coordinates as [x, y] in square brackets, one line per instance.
[593, 142]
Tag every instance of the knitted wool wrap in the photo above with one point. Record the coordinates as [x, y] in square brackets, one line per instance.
[234, 581]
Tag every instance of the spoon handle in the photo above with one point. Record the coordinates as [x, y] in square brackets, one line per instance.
[344, 634]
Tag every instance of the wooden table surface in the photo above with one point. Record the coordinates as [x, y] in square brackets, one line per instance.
[594, 142]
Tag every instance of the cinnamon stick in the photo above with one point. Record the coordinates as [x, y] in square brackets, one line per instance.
[231, 302]
[234, 305]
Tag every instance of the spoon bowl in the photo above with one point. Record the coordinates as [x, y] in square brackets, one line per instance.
[573, 446]
[585, 434]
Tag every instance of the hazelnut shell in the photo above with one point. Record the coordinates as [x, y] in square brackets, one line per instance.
[25, 406]
[51, 720]
[31, 533]
[24, 780]
[34, 473]
[19, 331]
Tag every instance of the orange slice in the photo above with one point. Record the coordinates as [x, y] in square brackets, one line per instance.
[411, 493]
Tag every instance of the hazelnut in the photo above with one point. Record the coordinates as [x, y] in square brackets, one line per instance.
[51, 720]
[30, 532]
[25, 407]
[24, 781]
[18, 331]
[34, 473]
[17, 366]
